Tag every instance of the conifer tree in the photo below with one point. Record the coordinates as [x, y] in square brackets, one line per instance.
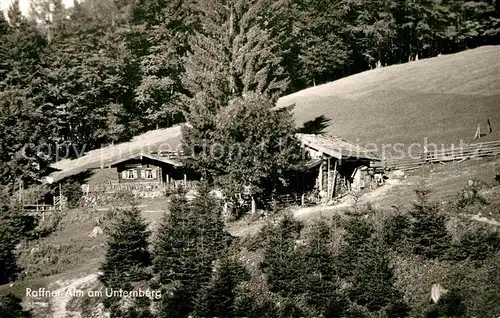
[8, 266]
[15, 226]
[127, 255]
[4, 29]
[231, 54]
[397, 232]
[357, 236]
[322, 52]
[429, 236]
[24, 125]
[373, 281]
[190, 239]
[127, 258]
[89, 78]
[161, 30]
[282, 264]
[365, 265]
[216, 299]
[322, 288]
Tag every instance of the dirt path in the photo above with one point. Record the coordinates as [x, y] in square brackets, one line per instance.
[380, 192]
[64, 293]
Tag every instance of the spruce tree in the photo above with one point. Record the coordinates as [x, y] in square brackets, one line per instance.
[89, 77]
[322, 290]
[373, 281]
[159, 39]
[8, 266]
[217, 298]
[233, 53]
[358, 234]
[190, 239]
[397, 232]
[282, 264]
[429, 236]
[15, 226]
[127, 258]
[364, 263]
[322, 52]
[24, 125]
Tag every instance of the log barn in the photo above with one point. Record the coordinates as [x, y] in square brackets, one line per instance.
[338, 165]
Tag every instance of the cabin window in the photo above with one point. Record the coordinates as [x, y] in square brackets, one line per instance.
[148, 174]
[129, 174]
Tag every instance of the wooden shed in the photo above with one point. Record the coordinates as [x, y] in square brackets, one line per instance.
[336, 163]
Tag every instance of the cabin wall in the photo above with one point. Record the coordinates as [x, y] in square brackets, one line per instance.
[139, 170]
[335, 177]
[161, 173]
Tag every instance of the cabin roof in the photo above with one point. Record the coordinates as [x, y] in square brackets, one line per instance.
[171, 160]
[335, 147]
[160, 141]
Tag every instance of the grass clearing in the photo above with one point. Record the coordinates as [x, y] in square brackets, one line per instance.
[442, 99]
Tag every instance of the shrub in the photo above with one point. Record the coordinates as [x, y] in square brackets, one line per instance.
[40, 259]
[479, 286]
[451, 304]
[10, 307]
[476, 245]
[48, 225]
[415, 276]
[470, 195]
[73, 192]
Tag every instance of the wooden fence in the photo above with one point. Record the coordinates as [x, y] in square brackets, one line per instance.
[452, 154]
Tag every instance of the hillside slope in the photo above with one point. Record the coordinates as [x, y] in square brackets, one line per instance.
[442, 98]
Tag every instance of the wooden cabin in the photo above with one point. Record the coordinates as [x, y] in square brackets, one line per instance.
[339, 166]
[141, 173]
[150, 162]
[150, 168]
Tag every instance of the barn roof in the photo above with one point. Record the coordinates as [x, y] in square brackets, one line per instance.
[171, 160]
[149, 143]
[335, 147]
